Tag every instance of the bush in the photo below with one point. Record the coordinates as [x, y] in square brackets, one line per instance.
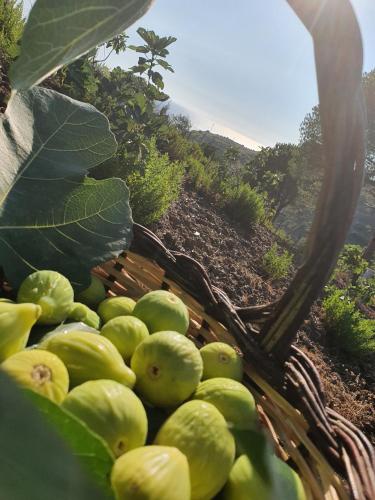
[243, 203]
[11, 28]
[154, 186]
[201, 175]
[277, 265]
[350, 263]
[354, 333]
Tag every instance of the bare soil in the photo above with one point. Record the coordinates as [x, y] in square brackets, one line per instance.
[233, 256]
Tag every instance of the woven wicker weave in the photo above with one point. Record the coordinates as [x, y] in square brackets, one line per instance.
[333, 458]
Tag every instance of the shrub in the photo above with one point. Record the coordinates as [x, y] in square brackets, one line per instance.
[354, 333]
[277, 265]
[201, 175]
[350, 262]
[243, 203]
[154, 186]
[11, 27]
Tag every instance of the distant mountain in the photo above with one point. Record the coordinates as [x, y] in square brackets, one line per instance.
[220, 144]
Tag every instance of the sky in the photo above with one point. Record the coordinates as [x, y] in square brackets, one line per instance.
[243, 69]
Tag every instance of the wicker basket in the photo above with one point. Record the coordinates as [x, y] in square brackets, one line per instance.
[333, 458]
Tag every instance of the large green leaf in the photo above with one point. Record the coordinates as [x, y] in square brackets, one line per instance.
[59, 31]
[48, 219]
[35, 463]
[91, 451]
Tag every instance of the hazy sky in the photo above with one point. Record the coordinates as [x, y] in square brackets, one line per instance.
[244, 68]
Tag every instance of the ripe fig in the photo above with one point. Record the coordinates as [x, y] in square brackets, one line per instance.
[161, 310]
[89, 356]
[168, 367]
[234, 401]
[40, 371]
[264, 480]
[16, 321]
[115, 306]
[151, 473]
[80, 312]
[51, 291]
[94, 294]
[126, 333]
[200, 432]
[221, 360]
[111, 410]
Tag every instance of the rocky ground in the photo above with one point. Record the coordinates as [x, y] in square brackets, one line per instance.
[233, 258]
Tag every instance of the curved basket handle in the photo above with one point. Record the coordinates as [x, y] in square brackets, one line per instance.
[338, 58]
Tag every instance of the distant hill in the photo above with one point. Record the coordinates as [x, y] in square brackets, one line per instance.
[221, 144]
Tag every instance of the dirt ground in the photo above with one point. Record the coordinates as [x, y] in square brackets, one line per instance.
[233, 259]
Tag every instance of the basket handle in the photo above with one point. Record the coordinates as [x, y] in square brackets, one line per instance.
[338, 59]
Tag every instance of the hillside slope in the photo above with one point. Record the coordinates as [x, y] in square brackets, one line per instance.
[233, 259]
[220, 144]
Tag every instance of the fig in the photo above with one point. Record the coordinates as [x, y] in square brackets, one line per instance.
[115, 306]
[221, 360]
[126, 333]
[88, 356]
[258, 473]
[40, 371]
[288, 483]
[246, 482]
[52, 292]
[94, 294]
[273, 479]
[234, 401]
[16, 321]
[80, 312]
[151, 473]
[111, 410]
[161, 310]
[200, 432]
[168, 367]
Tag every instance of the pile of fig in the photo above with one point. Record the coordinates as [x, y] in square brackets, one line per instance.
[170, 413]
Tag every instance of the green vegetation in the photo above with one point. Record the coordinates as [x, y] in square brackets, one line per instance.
[11, 27]
[350, 330]
[154, 186]
[243, 204]
[348, 297]
[276, 264]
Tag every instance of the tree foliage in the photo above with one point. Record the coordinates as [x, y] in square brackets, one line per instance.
[11, 28]
[155, 52]
[311, 134]
[274, 171]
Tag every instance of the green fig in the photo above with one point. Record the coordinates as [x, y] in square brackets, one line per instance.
[16, 321]
[289, 484]
[200, 432]
[234, 401]
[168, 367]
[161, 310]
[115, 306]
[40, 371]
[151, 473]
[80, 312]
[221, 360]
[89, 356]
[249, 479]
[126, 333]
[111, 410]
[52, 292]
[94, 294]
